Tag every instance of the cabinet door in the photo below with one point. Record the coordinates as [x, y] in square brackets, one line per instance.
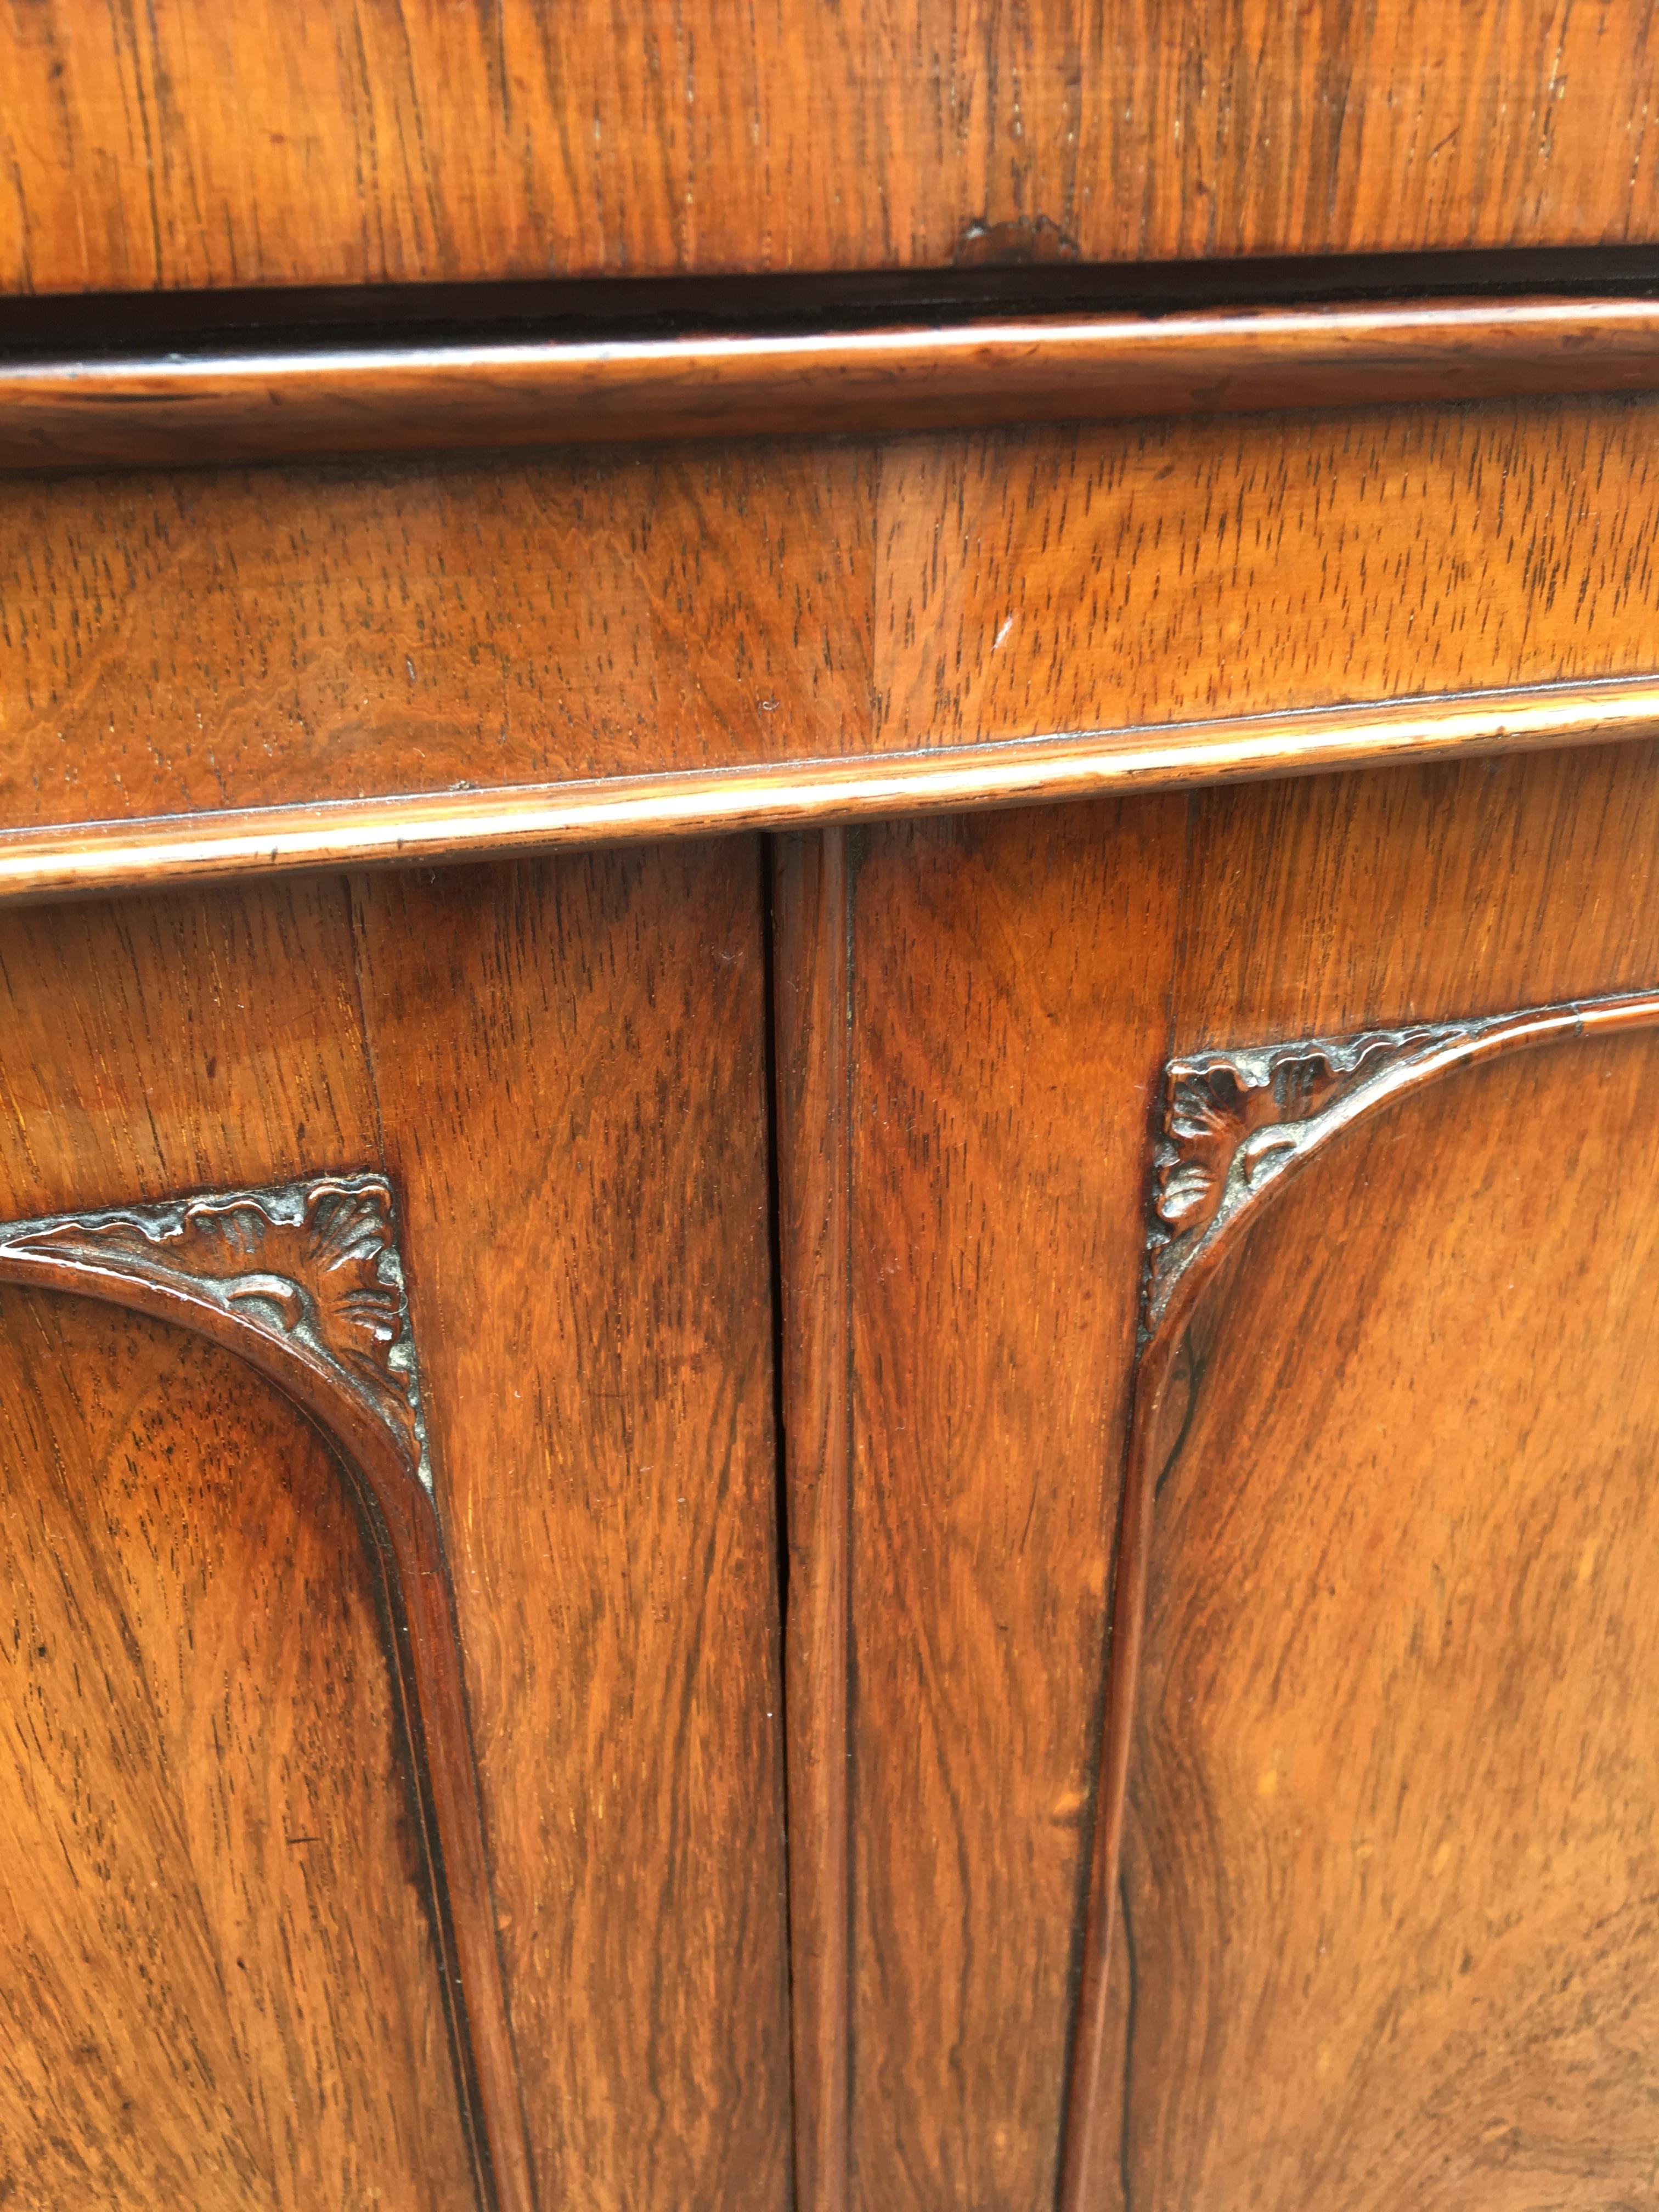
[1340, 1896]
[1390, 1849]
[390, 1565]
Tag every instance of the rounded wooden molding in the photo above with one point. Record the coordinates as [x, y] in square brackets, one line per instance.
[168, 411]
[155, 853]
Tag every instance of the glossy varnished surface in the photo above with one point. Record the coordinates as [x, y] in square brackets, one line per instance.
[187, 146]
[168, 852]
[1386, 1887]
[568, 1060]
[282, 401]
[172, 643]
[812, 916]
[1007, 979]
[219, 1984]
[582, 1193]
[1002, 1120]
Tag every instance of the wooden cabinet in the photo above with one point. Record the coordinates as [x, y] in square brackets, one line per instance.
[825, 1137]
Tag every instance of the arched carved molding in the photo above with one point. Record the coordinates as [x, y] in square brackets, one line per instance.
[1237, 1126]
[305, 1281]
[313, 1266]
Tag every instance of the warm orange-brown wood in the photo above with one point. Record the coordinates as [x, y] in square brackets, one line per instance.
[171, 644]
[159, 853]
[1010, 979]
[1258, 914]
[569, 1063]
[1385, 1885]
[748, 1502]
[1085, 579]
[187, 145]
[605, 1463]
[811, 921]
[219, 1984]
[259, 404]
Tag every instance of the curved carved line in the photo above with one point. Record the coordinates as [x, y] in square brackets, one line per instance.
[1237, 1127]
[304, 1281]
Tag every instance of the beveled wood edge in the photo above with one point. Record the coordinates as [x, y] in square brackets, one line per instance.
[1404, 1063]
[245, 405]
[811, 905]
[165, 852]
[426, 1665]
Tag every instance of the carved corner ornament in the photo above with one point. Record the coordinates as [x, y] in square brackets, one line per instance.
[1234, 1122]
[314, 1264]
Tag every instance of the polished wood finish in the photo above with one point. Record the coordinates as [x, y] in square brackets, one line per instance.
[1236, 1127]
[812, 920]
[195, 147]
[568, 1061]
[238, 842]
[1389, 899]
[220, 1982]
[843, 1678]
[1453, 1925]
[306, 1283]
[194, 411]
[171, 645]
[609, 1432]
[1007, 975]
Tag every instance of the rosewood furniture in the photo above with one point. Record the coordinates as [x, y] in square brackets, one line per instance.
[831, 963]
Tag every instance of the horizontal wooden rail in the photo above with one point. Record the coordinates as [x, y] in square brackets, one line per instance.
[239, 406]
[427, 827]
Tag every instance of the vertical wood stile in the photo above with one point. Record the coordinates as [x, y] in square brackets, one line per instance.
[812, 978]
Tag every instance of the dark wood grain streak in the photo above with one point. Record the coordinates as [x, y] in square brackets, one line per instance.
[812, 950]
[61, 1254]
[227, 843]
[208, 409]
[196, 146]
[1400, 1065]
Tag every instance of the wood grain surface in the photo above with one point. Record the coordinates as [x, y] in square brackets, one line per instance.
[569, 1062]
[1017, 982]
[169, 852]
[169, 644]
[1010, 981]
[186, 146]
[1080, 579]
[208, 1041]
[272, 403]
[220, 1986]
[811, 925]
[583, 1190]
[1387, 1883]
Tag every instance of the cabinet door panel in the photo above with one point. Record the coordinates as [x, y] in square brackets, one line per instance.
[1391, 1849]
[961, 1007]
[218, 1983]
[569, 1057]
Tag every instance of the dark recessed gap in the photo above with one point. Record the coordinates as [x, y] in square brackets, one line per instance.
[621, 308]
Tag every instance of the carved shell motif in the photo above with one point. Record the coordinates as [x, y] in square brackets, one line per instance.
[1233, 1122]
[314, 1262]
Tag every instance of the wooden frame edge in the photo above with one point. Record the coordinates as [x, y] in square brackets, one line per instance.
[811, 915]
[167, 851]
[161, 410]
